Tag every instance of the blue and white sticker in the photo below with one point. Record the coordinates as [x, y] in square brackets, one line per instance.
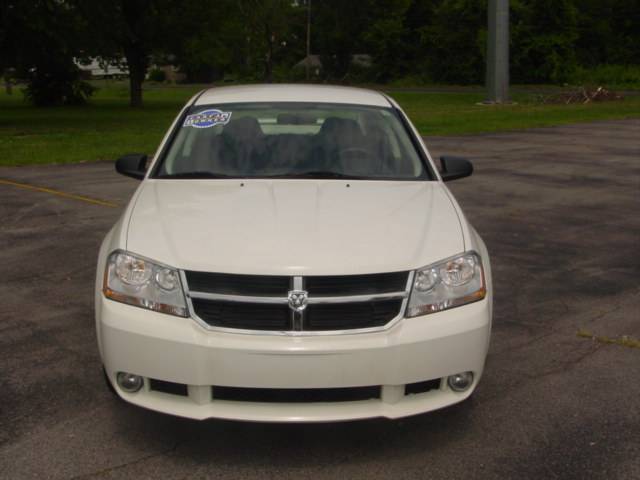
[207, 119]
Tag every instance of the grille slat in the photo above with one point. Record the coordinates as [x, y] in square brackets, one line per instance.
[232, 284]
[343, 285]
[348, 316]
[241, 315]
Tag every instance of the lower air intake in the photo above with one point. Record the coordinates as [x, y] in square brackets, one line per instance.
[421, 387]
[295, 395]
[168, 387]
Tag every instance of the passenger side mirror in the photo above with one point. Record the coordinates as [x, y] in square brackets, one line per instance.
[133, 165]
[454, 168]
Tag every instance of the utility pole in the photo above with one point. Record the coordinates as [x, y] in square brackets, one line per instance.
[308, 59]
[498, 52]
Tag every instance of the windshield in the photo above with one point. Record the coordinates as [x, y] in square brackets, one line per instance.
[292, 140]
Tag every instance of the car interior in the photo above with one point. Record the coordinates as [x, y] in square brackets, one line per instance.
[345, 146]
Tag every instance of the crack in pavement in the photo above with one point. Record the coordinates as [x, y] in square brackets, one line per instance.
[126, 464]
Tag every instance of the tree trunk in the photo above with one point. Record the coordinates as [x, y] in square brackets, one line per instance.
[268, 61]
[135, 90]
[137, 64]
[268, 74]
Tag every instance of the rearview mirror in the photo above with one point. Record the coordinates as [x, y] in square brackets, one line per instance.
[454, 168]
[133, 165]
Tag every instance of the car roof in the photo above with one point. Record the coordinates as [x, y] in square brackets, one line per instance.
[292, 93]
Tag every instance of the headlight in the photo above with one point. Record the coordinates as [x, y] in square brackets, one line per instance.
[141, 282]
[447, 284]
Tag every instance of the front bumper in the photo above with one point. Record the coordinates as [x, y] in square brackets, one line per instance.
[163, 347]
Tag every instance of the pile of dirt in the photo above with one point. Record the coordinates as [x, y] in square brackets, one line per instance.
[582, 95]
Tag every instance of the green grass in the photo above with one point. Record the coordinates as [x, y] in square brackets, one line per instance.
[458, 113]
[108, 128]
[104, 129]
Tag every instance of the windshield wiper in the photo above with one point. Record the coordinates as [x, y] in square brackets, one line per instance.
[323, 174]
[196, 175]
[320, 174]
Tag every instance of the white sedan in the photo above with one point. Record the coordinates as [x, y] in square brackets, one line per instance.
[292, 254]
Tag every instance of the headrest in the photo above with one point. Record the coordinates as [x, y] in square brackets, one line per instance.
[340, 126]
[244, 128]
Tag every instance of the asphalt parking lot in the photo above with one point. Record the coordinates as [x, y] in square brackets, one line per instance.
[559, 210]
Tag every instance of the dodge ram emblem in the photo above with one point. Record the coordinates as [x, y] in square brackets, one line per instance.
[298, 300]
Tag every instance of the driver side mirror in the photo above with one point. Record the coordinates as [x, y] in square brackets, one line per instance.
[133, 165]
[454, 168]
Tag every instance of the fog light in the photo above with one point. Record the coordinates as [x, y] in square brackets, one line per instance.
[460, 381]
[129, 382]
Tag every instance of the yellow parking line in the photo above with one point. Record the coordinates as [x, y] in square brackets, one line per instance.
[59, 193]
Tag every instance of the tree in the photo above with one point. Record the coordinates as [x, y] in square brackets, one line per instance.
[386, 39]
[543, 37]
[210, 44]
[133, 29]
[338, 29]
[39, 41]
[454, 42]
[267, 24]
[608, 32]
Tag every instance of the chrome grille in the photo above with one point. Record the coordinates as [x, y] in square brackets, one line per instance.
[256, 303]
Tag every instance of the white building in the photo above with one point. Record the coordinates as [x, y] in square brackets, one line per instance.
[100, 68]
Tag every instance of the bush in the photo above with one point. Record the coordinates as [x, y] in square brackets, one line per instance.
[616, 76]
[157, 75]
[409, 81]
[57, 85]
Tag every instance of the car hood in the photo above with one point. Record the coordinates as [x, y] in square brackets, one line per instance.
[289, 227]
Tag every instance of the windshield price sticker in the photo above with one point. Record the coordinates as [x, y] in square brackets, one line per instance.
[207, 119]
